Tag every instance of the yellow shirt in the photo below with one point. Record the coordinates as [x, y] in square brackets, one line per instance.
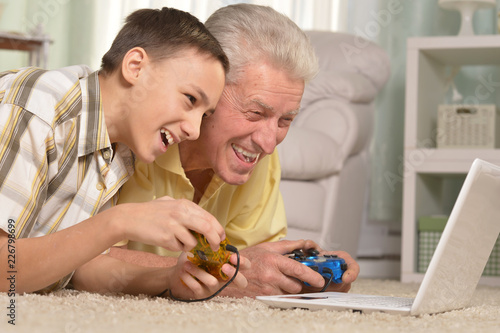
[250, 213]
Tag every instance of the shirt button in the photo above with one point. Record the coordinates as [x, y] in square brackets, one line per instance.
[99, 186]
[106, 154]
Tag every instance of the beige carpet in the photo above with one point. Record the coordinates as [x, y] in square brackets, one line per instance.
[73, 312]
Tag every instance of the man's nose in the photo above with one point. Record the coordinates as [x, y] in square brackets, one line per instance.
[267, 137]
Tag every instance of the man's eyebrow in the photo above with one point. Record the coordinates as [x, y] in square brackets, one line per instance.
[263, 105]
[270, 108]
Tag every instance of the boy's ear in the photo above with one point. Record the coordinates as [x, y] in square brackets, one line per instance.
[133, 63]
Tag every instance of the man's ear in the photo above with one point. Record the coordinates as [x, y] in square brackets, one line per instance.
[133, 63]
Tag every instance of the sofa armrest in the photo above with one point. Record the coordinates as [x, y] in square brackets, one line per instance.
[307, 154]
[326, 134]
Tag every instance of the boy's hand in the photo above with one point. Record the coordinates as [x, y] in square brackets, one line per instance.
[167, 223]
[191, 282]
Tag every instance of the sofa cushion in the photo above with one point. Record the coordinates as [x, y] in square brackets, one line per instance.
[307, 154]
[350, 66]
[346, 52]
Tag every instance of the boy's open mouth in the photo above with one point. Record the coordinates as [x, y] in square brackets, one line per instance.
[166, 137]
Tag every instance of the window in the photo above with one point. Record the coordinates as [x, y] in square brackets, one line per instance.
[307, 14]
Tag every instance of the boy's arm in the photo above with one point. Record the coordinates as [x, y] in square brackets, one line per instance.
[41, 261]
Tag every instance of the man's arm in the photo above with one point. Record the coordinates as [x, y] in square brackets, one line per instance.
[141, 258]
[184, 279]
[117, 276]
[271, 272]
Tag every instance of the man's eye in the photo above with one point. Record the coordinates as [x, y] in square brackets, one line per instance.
[208, 114]
[254, 113]
[285, 122]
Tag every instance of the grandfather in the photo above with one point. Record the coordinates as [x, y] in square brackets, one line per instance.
[233, 170]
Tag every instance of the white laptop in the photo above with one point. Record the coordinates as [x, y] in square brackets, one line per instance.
[456, 266]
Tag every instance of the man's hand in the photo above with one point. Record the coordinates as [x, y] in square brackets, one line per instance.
[348, 277]
[272, 273]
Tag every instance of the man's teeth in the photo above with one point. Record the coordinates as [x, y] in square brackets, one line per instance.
[168, 136]
[249, 157]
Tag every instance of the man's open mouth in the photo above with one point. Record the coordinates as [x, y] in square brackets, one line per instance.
[245, 155]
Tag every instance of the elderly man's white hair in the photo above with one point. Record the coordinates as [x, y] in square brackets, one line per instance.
[250, 34]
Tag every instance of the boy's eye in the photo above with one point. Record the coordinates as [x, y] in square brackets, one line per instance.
[191, 99]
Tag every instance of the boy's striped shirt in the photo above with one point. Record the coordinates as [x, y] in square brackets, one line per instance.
[57, 164]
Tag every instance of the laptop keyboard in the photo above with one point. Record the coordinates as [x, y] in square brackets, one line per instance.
[385, 301]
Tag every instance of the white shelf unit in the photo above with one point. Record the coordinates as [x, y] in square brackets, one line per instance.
[432, 177]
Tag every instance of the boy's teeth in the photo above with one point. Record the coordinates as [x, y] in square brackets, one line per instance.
[249, 157]
[168, 136]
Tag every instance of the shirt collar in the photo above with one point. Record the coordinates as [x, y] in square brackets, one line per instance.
[93, 131]
[171, 161]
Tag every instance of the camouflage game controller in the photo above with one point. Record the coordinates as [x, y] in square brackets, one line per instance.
[204, 257]
[330, 267]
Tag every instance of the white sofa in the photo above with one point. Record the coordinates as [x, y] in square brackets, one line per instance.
[325, 158]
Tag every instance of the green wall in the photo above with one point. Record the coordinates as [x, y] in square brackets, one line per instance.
[63, 20]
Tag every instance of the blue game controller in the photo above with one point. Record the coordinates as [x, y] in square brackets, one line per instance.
[331, 267]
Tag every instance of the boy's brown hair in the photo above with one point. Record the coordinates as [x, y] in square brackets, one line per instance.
[162, 33]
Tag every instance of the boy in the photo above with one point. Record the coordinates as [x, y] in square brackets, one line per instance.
[68, 143]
